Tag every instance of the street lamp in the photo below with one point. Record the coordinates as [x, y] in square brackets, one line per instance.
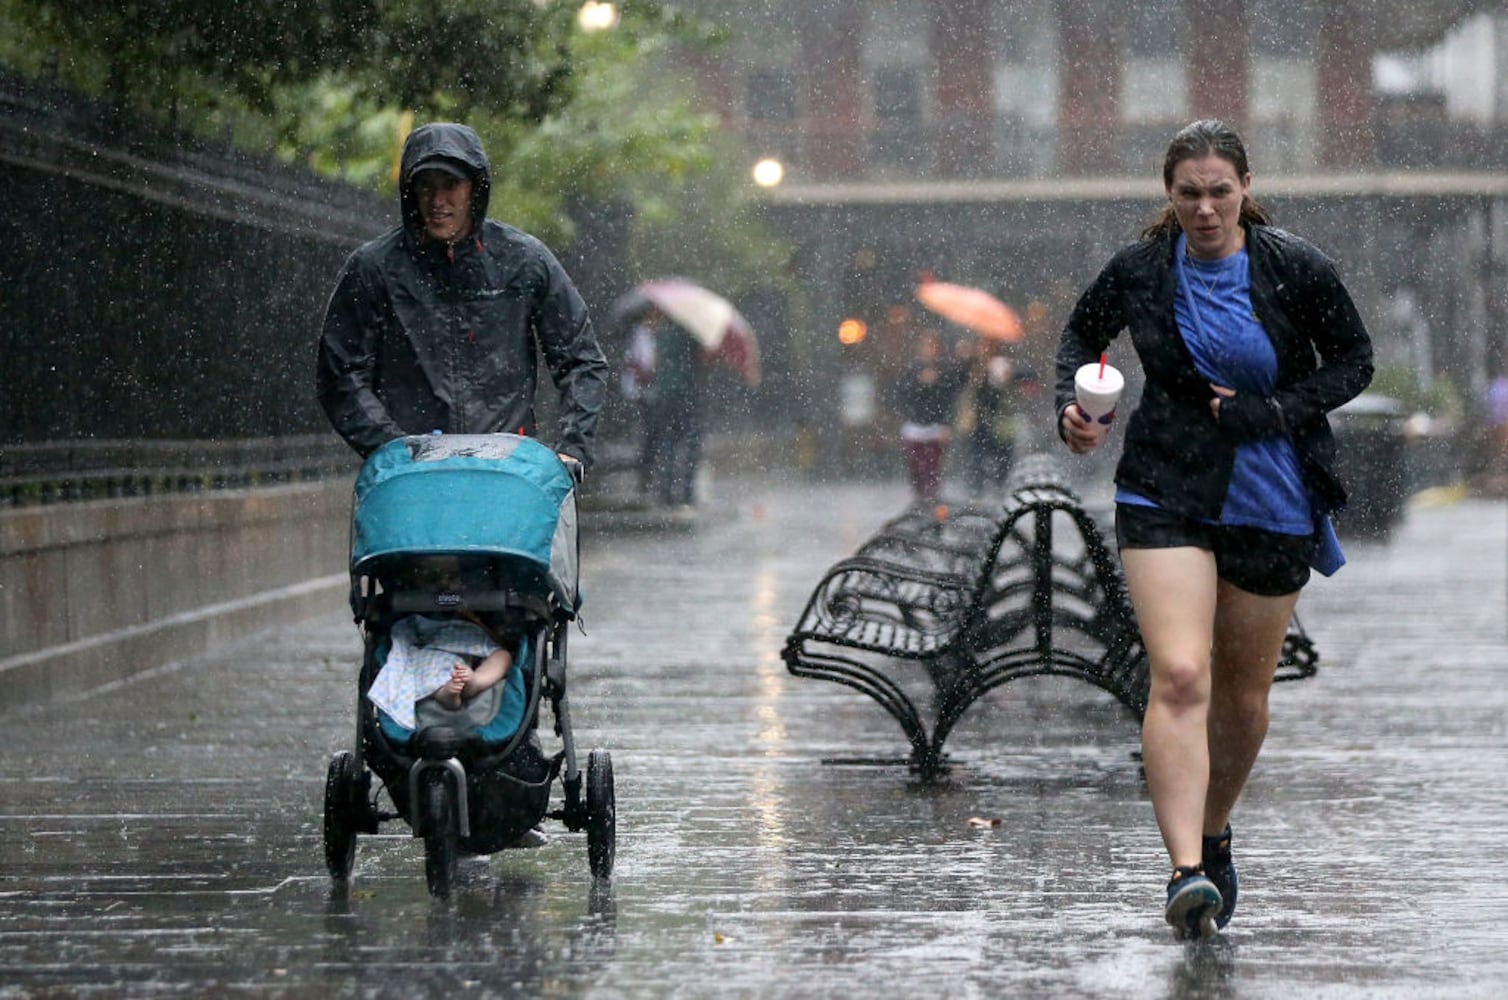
[594, 16]
[852, 331]
[768, 172]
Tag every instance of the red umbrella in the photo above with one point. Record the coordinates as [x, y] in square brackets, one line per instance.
[972, 308]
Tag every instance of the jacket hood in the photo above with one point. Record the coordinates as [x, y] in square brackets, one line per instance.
[447, 141]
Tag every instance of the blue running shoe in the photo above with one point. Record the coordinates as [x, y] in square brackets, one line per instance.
[1217, 864]
[1193, 902]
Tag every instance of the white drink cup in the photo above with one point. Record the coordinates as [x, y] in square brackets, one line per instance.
[1098, 388]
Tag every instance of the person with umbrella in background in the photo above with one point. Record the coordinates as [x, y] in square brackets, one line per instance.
[692, 327]
[926, 396]
[437, 325]
[638, 386]
[675, 418]
[988, 414]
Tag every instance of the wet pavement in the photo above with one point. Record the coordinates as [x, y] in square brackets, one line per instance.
[163, 838]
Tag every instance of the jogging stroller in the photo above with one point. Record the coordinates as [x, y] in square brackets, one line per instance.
[478, 529]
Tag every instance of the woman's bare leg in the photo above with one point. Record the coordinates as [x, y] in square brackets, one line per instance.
[1249, 633]
[1173, 591]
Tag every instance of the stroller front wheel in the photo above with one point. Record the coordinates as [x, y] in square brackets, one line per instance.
[340, 818]
[601, 814]
[441, 835]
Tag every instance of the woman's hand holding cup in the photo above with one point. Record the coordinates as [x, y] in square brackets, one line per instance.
[1086, 424]
[1082, 434]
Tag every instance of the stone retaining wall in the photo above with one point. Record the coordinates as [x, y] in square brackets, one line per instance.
[92, 593]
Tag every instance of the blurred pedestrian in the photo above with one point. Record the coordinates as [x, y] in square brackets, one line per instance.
[437, 325]
[927, 397]
[996, 383]
[638, 387]
[675, 416]
[1246, 338]
[1495, 403]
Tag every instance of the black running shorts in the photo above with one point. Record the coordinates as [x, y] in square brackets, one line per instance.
[1266, 563]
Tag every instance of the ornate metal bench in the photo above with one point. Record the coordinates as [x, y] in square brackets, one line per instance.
[979, 598]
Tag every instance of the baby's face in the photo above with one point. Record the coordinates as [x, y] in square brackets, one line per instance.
[438, 572]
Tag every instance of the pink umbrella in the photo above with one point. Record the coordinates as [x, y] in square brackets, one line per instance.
[710, 319]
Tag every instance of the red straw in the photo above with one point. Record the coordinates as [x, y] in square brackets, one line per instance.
[1102, 367]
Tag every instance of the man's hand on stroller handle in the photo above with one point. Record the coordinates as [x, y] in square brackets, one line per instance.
[573, 466]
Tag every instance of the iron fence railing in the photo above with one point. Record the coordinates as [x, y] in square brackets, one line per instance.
[67, 471]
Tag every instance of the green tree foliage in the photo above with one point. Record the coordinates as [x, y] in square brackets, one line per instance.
[625, 135]
[148, 53]
[509, 56]
[336, 83]
[568, 117]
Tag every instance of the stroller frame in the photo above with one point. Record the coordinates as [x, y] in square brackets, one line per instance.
[459, 792]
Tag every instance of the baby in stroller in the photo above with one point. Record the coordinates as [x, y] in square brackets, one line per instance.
[436, 666]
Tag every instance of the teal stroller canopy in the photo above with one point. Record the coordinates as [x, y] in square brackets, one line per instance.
[468, 494]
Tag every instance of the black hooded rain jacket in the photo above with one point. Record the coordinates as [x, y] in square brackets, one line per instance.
[422, 336]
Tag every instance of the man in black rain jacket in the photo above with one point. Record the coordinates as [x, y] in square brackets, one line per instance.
[437, 324]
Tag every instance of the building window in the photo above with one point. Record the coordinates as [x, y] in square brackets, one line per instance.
[897, 135]
[1284, 29]
[770, 96]
[1155, 30]
[897, 94]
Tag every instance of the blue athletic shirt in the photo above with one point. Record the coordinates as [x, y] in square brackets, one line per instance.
[1230, 348]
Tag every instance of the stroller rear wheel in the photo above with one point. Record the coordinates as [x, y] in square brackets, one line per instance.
[601, 813]
[340, 815]
[441, 834]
